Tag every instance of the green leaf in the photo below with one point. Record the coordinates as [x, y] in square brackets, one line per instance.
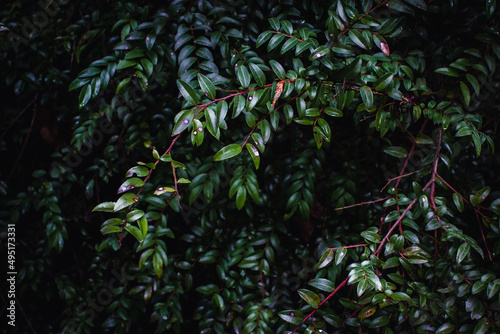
[241, 196]
[143, 226]
[446, 328]
[366, 96]
[483, 325]
[326, 258]
[319, 52]
[125, 201]
[447, 71]
[124, 63]
[310, 297]
[157, 264]
[473, 82]
[227, 152]
[290, 316]
[493, 288]
[134, 215]
[105, 207]
[131, 183]
[243, 76]
[112, 225]
[206, 86]
[144, 257]
[490, 9]
[150, 41]
[135, 232]
[275, 41]
[77, 83]
[183, 121]
[278, 69]
[358, 39]
[211, 118]
[340, 254]
[254, 153]
[400, 296]
[258, 74]
[275, 23]
[207, 289]
[374, 280]
[148, 66]
[187, 92]
[382, 82]
[333, 112]
[263, 38]
[289, 44]
[396, 151]
[301, 47]
[110, 229]
[85, 95]
[367, 312]
[287, 27]
[434, 224]
[458, 201]
[322, 284]
[465, 92]
[462, 252]
[218, 302]
[140, 171]
[480, 196]
[122, 84]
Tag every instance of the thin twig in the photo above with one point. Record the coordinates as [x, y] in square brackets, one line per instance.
[24, 145]
[434, 169]
[399, 177]
[410, 154]
[324, 300]
[350, 246]
[18, 115]
[389, 233]
[175, 183]
[361, 204]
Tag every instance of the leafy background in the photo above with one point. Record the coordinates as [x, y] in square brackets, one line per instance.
[332, 165]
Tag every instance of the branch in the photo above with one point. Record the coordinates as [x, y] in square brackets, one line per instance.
[324, 301]
[25, 141]
[361, 204]
[434, 168]
[408, 208]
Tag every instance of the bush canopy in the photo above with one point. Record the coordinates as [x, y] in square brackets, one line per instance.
[267, 166]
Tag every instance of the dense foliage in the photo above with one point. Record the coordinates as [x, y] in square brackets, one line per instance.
[252, 166]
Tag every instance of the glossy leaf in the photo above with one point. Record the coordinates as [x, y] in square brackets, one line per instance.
[398, 152]
[243, 76]
[258, 74]
[187, 92]
[207, 86]
[278, 69]
[228, 152]
[125, 201]
[310, 297]
[366, 96]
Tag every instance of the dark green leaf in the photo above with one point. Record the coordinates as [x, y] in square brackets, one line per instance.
[278, 69]
[326, 258]
[310, 297]
[322, 284]
[227, 152]
[207, 86]
[243, 76]
[366, 96]
[257, 74]
[125, 201]
[398, 152]
[187, 92]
